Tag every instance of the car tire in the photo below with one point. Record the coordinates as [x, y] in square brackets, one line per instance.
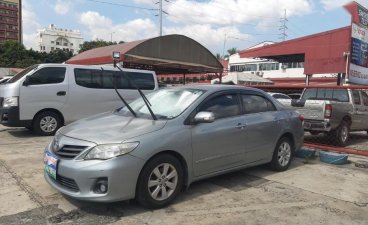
[47, 123]
[282, 154]
[340, 136]
[160, 181]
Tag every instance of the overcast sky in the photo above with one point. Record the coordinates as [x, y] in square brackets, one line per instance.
[243, 22]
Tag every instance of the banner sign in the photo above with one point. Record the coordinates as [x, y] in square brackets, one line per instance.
[358, 69]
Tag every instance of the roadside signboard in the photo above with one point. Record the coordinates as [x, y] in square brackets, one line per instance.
[358, 68]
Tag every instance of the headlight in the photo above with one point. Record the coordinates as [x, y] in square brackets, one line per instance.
[111, 150]
[10, 101]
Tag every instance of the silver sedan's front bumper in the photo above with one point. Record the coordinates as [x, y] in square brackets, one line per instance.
[121, 173]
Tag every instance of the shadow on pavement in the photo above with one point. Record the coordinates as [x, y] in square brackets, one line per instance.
[102, 212]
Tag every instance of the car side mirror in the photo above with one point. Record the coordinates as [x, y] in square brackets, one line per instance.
[26, 82]
[204, 117]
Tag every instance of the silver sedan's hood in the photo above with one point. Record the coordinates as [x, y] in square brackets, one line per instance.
[111, 128]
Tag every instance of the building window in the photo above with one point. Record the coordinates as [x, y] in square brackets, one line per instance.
[52, 42]
[52, 48]
[71, 44]
[295, 65]
[65, 44]
[268, 66]
[57, 43]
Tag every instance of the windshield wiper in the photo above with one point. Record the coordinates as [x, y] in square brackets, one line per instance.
[145, 100]
[121, 97]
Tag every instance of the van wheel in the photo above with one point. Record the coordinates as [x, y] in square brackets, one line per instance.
[282, 155]
[46, 123]
[160, 182]
[340, 136]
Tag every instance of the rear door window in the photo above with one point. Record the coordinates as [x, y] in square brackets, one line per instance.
[48, 75]
[365, 98]
[256, 104]
[356, 97]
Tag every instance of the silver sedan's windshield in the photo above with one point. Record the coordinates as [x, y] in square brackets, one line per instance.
[166, 103]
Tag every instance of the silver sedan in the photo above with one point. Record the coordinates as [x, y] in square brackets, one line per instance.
[180, 135]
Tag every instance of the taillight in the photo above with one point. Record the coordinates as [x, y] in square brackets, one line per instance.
[328, 110]
[301, 118]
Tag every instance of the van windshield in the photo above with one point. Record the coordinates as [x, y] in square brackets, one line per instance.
[22, 73]
[166, 103]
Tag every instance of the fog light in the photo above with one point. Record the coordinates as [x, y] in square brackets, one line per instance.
[101, 186]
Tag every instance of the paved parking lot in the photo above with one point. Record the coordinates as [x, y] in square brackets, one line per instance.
[310, 192]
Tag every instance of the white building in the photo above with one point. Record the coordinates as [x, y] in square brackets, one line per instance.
[53, 38]
[268, 69]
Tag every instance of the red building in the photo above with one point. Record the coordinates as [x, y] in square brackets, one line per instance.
[10, 20]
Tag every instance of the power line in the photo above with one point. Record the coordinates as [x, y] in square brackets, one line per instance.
[122, 5]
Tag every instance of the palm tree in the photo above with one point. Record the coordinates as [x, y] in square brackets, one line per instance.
[232, 51]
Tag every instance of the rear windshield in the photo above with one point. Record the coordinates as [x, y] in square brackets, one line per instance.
[340, 95]
[22, 73]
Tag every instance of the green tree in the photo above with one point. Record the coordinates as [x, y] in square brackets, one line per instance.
[232, 51]
[11, 52]
[87, 45]
[14, 54]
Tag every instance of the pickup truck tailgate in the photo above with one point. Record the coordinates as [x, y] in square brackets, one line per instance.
[311, 109]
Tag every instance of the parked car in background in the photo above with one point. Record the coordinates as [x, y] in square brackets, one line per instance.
[295, 95]
[180, 135]
[334, 111]
[3, 80]
[282, 98]
[279, 95]
[47, 96]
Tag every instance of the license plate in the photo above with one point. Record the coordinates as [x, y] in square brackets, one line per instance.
[50, 160]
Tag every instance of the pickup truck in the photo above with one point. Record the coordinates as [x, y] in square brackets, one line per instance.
[334, 111]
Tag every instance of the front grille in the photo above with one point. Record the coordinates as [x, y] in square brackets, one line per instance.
[70, 151]
[67, 182]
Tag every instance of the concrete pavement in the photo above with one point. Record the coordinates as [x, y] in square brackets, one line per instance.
[310, 192]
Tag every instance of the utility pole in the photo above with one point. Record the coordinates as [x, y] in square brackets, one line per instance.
[283, 27]
[160, 14]
[223, 49]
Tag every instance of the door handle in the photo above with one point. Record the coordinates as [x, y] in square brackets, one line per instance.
[61, 93]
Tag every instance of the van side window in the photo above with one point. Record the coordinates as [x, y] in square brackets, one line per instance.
[256, 104]
[48, 75]
[99, 79]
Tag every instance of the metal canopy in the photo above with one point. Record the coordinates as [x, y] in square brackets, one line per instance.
[170, 54]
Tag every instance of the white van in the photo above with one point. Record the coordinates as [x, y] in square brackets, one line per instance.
[45, 97]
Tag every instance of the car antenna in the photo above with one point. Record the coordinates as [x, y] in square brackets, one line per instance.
[116, 56]
[121, 97]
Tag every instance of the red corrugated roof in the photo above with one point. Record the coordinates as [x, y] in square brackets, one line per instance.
[102, 55]
[322, 52]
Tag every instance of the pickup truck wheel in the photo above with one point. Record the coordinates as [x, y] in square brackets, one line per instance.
[282, 155]
[340, 136]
